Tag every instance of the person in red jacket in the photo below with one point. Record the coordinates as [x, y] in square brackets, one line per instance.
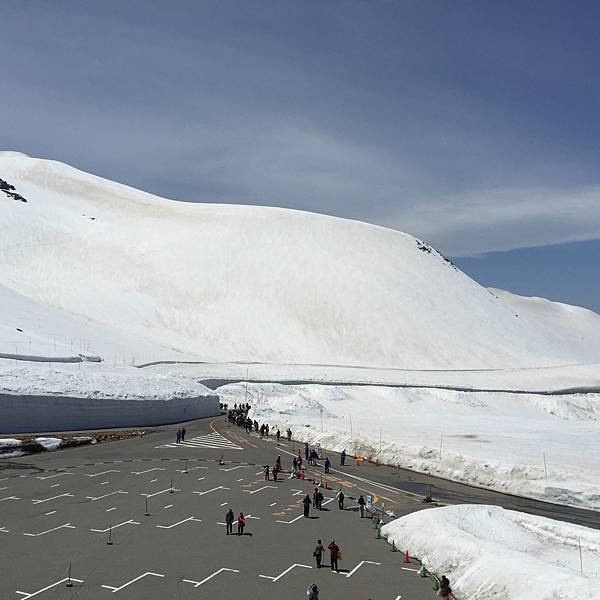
[334, 550]
[241, 524]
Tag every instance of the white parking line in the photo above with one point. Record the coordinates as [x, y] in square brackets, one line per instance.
[273, 504]
[65, 526]
[359, 565]
[94, 498]
[234, 468]
[220, 487]
[161, 492]
[153, 480]
[292, 521]
[9, 498]
[55, 485]
[274, 579]
[168, 506]
[179, 523]
[53, 476]
[4, 530]
[111, 509]
[50, 513]
[118, 589]
[224, 504]
[49, 587]
[130, 522]
[199, 583]
[265, 487]
[409, 569]
[103, 473]
[147, 471]
[67, 495]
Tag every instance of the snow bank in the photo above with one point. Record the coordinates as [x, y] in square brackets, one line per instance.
[489, 553]
[34, 397]
[247, 283]
[49, 443]
[493, 440]
[9, 443]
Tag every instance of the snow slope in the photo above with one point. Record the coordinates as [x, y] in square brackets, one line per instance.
[493, 440]
[241, 283]
[491, 553]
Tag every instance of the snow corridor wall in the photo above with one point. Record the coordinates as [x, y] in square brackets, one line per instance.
[30, 414]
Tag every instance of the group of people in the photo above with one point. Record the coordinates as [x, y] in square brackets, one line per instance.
[229, 520]
[238, 415]
[180, 435]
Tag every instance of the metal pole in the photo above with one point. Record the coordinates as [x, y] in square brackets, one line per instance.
[380, 440]
[69, 582]
[545, 468]
[186, 465]
[146, 514]
[351, 434]
[580, 557]
[109, 543]
[171, 490]
[441, 440]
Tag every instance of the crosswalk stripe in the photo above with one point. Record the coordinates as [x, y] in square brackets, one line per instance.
[211, 440]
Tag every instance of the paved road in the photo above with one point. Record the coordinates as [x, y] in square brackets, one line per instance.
[60, 508]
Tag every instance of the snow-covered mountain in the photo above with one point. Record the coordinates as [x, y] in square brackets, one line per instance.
[89, 265]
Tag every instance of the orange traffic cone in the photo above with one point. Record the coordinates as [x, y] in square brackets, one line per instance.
[406, 557]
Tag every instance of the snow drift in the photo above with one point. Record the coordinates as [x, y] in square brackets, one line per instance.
[491, 553]
[244, 283]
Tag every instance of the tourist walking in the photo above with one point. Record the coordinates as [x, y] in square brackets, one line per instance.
[178, 436]
[306, 451]
[334, 550]
[183, 434]
[278, 434]
[318, 553]
[343, 458]
[327, 464]
[306, 503]
[361, 505]
[266, 469]
[241, 521]
[320, 499]
[340, 497]
[312, 592]
[229, 518]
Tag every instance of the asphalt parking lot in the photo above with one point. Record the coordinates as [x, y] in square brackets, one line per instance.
[86, 507]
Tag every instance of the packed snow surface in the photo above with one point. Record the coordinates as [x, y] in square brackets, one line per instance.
[490, 553]
[130, 276]
[532, 445]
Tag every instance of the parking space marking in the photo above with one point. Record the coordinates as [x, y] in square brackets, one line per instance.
[179, 523]
[201, 478]
[153, 480]
[4, 530]
[3, 488]
[234, 468]
[213, 440]
[192, 469]
[161, 492]
[264, 487]
[409, 569]
[94, 498]
[118, 589]
[220, 487]
[359, 565]
[199, 583]
[289, 522]
[66, 495]
[9, 498]
[274, 579]
[224, 504]
[65, 526]
[168, 506]
[111, 509]
[273, 504]
[129, 522]
[103, 473]
[55, 485]
[53, 476]
[50, 513]
[49, 587]
[147, 471]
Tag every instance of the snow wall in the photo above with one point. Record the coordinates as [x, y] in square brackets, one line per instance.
[30, 414]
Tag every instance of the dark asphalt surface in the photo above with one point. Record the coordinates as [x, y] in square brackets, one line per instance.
[56, 509]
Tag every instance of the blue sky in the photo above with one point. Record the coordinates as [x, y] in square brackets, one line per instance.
[473, 125]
